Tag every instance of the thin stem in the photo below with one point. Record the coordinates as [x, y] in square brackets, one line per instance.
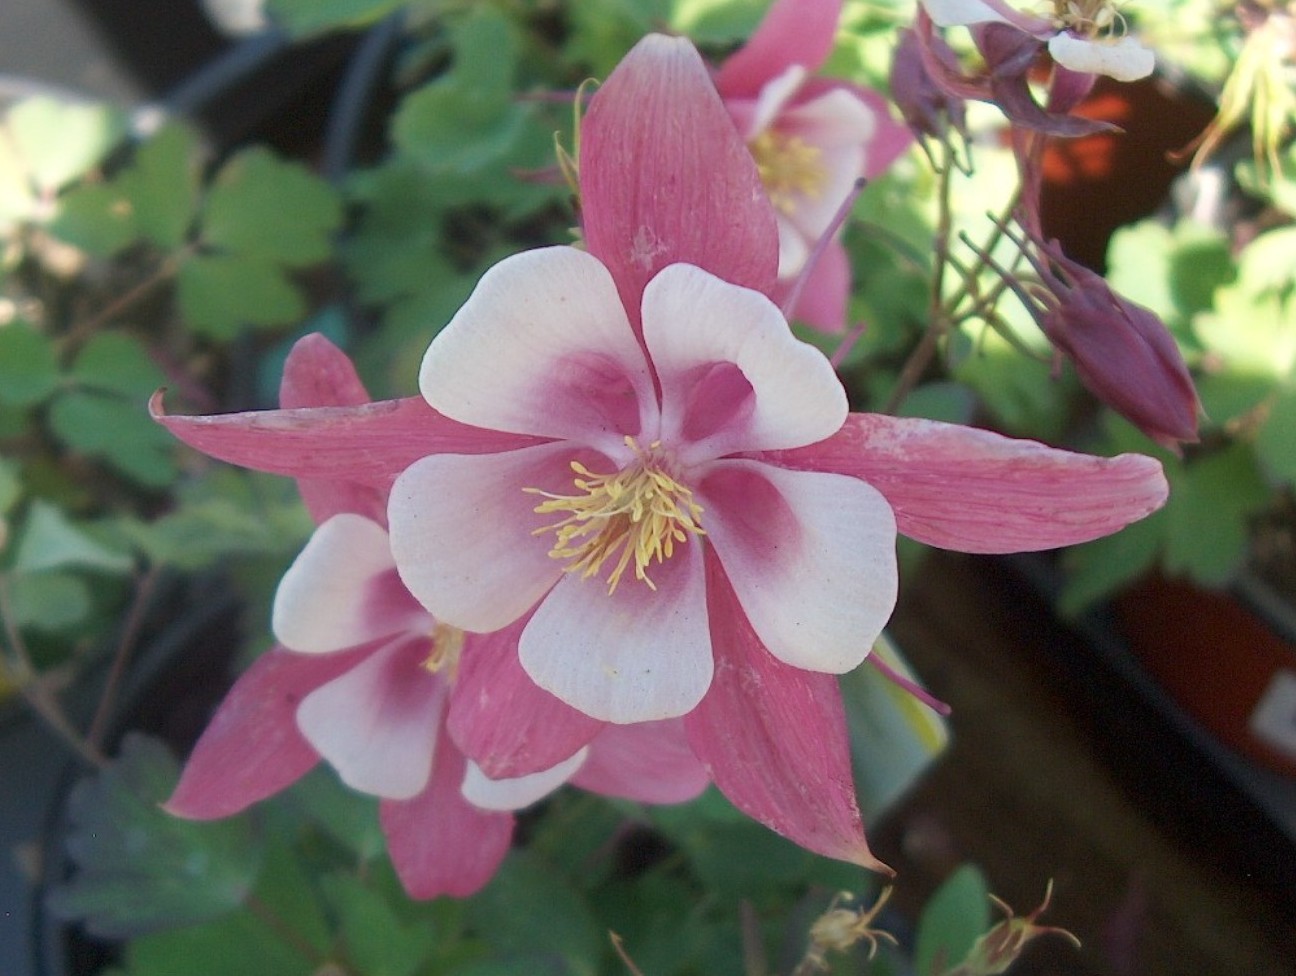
[34, 691]
[165, 271]
[287, 932]
[130, 634]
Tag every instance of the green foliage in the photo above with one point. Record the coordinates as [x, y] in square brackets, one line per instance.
[951, 921]
[61, 141]
[28, 365]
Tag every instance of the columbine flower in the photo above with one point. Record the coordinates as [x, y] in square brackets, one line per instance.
[766, 515]
[364, 677]
[812, 138]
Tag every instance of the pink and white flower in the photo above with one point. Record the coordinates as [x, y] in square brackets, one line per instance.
[812, 139]
[641, 411]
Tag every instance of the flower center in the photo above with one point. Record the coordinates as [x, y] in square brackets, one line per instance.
[447, 645]
[788, 165]
[1089, 18]
[634, 515]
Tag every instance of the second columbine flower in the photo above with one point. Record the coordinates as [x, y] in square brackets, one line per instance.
[600, 532]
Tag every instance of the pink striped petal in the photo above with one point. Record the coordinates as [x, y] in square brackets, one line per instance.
[774, 738]
[440, 844]
[811, 557]
[822, 303]
[377, 723]
[342, 590]
[319, 374]
[542, 346]
[501, 719]
[666, 178]
[975, 491]
[793, 32]
[732, 375]
[519, 791]
[251, 748]
[650, 762]
[464, 533]
[630, 656]
[371, 443]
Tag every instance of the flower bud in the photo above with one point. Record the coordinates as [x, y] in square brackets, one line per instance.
[928, 108]
[999, 948]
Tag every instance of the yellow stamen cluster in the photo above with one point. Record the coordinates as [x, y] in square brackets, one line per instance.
[636, 515]
[1089, 18]
[447, 645]
[788, 165]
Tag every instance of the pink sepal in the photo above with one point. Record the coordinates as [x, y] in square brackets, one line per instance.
[319, 374]
[439, 843]
[501, 719]
[665, 177]
[371, 443]
[774, 738]
[793, 32]
[650, 762]
[252, 749]
[975, 491]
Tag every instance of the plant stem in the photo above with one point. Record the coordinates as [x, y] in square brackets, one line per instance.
[288, 933]
[130, 633]
[165, 271]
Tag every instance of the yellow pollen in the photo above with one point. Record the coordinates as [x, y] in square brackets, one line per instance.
[447, 645]
[636, 514]
[788, 165]
[1089, 18]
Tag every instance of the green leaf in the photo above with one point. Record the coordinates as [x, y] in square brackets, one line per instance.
[951, 921]
[1276, 441]
[162, 185]
[1268, 264]
[531, 908]
[138, 868]
[348, 816]
[16, 199]
[714, 21]
[10, 484]
[50, 541]
[221, 294]
[118, 431]
[468, 117]
[378, 942]
[1098, 569]
[1211, 501]
[49, 601]
[1249, 335]
[117, 363]
[61, 141]
[300, 17]
[262, 206]
[96, 218]
[28, 365]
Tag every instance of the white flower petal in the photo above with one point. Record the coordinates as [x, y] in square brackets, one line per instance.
[810, 555]
[630, 656]
[1122, 58]
[732, 375]
[543, 347]
[520, 791]
[776, 93]
[463, 532]
[342, 590]
[377, 725]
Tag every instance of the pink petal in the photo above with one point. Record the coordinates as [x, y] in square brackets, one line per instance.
[371, 443]
[542, 346]
[975, 491]
[811, 557]
[666, 178]
[519, 791]
[774, 738]
[464, 533]
[319, 374]
[501, 719]
[251, 749]
[793, 32]
[732, 375]
[440, 844]
[650, 762]
[630, 656]
[342, 590]
[377, 723]
[823, 299]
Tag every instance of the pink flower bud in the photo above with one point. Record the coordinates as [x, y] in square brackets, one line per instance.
[928, 108]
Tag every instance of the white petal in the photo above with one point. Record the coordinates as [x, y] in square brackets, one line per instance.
[773, 97]
[954, 13]
[377, 724]
[794, 248]
[732, 375]
[1122, 58]
[336, 593]
[463, 532]
[631, 656]
[542, 346]
[810, 555]
[840, 125]
[521, 791]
